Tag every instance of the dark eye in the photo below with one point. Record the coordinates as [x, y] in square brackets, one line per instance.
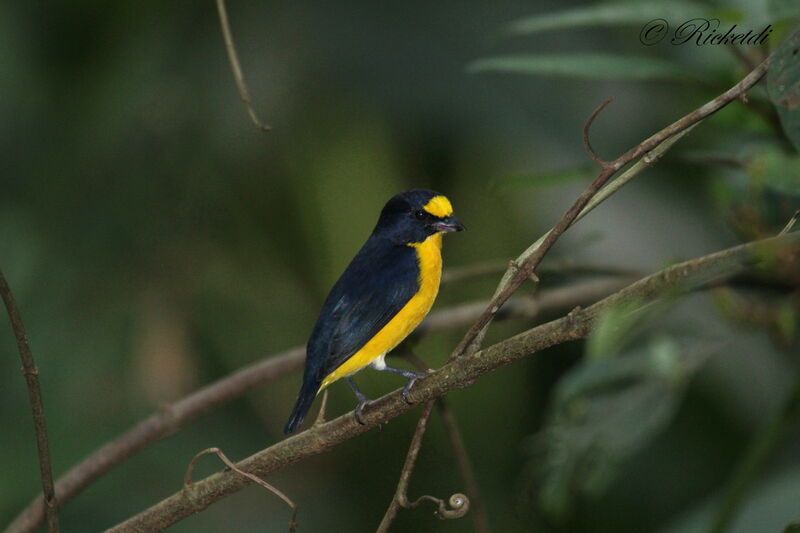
[419, 214]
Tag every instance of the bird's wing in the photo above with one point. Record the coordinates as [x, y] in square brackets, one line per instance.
[376, 285]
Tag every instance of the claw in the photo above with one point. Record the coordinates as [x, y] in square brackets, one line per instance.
[412, 378]
[407, 390]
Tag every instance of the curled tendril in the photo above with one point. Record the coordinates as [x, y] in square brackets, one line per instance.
[458, 505]
[187, 482]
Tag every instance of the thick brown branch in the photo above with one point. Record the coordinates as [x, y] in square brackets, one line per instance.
[457, 374]
[170, 418]
[49, 505]
[468, 343]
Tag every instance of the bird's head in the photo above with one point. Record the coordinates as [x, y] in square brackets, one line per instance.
[413, 216]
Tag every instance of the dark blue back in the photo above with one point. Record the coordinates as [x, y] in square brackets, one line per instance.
[379, 281]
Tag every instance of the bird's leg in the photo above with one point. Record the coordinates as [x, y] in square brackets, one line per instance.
[410, 375]
[362, 400]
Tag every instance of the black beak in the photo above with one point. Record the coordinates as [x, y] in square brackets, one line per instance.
[449, 224]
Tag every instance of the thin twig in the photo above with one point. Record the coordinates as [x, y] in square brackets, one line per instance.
[471, 341]
[471, 487]
[322, 406]
[172, 417]
[478, 512]
[241, 84]
[789, 225]
[187, 481]
[405, 474]
[458, 503]
[587, 145]
[689, 275]
[456, 506]
[31, 373]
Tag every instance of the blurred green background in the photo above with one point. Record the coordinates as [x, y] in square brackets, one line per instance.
[156, 241]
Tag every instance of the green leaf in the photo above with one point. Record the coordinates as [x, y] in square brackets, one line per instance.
[587, 66]
[774, 169]
[610, 15]
[769, 505]
[603, 412]
[783, 85]
[613, 330]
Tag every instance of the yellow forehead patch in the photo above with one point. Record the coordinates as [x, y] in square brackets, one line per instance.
[439, 206]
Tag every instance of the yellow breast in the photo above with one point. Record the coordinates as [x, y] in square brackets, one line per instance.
[429, 259]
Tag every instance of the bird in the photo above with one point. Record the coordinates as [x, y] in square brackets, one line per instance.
[382, 296]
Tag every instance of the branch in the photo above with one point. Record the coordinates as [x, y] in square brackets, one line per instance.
[405, 473]
[49, 506]
[187, 481]
[587, 145]
[457, 374]
[244, 93]
[789, 225]
[480, 522]
[170, 418]
[323, 405]
[160, 424]
[516, 276]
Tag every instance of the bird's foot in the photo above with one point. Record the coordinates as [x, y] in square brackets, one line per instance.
[412, 378]
[362, 400]
[359, 411]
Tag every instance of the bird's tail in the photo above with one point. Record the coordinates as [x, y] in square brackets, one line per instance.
[304, 400]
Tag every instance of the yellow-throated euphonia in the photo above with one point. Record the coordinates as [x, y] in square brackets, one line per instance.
[384, 293]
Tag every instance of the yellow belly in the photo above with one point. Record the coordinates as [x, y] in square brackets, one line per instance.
[429, 258]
